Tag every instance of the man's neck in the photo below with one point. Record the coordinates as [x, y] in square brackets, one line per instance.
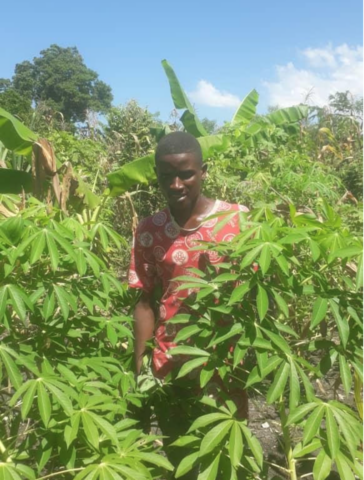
[191, 218]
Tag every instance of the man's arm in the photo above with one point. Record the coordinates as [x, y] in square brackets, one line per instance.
[144, 319]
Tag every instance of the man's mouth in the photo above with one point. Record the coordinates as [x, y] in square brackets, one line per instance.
[178, 198]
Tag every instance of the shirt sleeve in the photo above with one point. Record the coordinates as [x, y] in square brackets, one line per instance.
[142, 271]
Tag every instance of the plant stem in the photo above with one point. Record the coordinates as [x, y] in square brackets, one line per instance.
[60, 473]
[287, 441]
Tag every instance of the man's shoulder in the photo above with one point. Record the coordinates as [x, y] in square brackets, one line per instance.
[222, 206]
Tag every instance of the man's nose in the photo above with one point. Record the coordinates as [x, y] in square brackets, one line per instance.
[176, 184]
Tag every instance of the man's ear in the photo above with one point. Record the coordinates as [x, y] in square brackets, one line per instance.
[204, 171]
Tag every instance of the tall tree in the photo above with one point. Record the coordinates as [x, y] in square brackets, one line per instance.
[60, 79]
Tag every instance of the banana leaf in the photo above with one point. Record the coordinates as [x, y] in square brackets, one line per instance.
[189, 118]
[15, 181]
[288, 115]
[14, 135]
[247, 109]
[140, 171]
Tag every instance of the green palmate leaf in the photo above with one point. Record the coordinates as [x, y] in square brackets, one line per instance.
[18, 298]
[239, 292]
[154, 459]
[90, 429]
[191, 365]
[71, 431]
[80, 261]
[251, 256]
[3, 300]
[277, 340]
[239, 354]
[345, 374]
[111, 334]
[348, 252]
[246, 109]
[28, 398]
[60, 398]
[301, 451]
[185, 350]
[63, 300]
[319, 311]
[322, 466]
[187, 333]
[300, 412]
[265, 259]
[215, 436]
[44, 404]
[206, 375]
[342, 325]
[294, 387]
[343, 467]
[262, 302]
[185, 440]
[333, 437]
[49, 306]
[352, 439]
[10, 367]
[235, 445]
[255, 375]
[180, 100]
[359, 273]
[234, 330]
[104, 426]
[207, 420]
[211, 471]
[187, 464]
[355, 317]
[38, 246]
[313, 424]
[315, 249]
[226, 277]
[279, 383]
[254, 444]
[310, 394]
[281, 303]
[283, 264]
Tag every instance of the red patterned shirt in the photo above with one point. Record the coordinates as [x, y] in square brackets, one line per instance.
[161, 252]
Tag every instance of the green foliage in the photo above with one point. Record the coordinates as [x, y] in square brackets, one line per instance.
[60, 79]
[128, 132]
[302, 298]
[282, 314]
[65, 353]
[14, 135]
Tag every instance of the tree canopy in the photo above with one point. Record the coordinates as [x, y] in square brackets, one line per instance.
[60, 79]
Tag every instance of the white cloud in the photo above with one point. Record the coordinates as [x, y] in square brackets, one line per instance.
[329, 70]
[207, 94]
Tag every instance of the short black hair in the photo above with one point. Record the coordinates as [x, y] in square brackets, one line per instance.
[178, 142]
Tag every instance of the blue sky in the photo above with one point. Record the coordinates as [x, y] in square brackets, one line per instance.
[219, 50]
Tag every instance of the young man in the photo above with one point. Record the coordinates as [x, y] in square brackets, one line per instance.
[162, 243]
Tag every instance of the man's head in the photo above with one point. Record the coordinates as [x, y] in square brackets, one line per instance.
[180, 170]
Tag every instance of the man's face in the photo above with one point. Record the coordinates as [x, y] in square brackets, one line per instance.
[180, 176]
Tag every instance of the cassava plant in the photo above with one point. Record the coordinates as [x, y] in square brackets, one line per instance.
[66, 383]
[284, 310]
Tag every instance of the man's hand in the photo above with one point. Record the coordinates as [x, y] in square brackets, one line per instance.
[143, 327]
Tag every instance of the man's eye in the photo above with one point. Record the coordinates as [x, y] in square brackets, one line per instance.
[186, 175]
